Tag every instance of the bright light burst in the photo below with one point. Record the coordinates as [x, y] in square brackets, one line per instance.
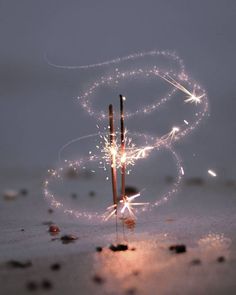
[131, 155]
[127, 207]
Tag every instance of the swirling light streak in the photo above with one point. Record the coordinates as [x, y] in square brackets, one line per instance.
[179, 81]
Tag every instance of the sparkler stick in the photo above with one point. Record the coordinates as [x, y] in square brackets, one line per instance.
[122, 137]
[113, 157]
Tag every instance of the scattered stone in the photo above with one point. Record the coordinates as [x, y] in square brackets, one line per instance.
[133, 249]
[23, 192]
[130, 223]
[46, 284]
[131, 190]
[10, 195]
[196, 261]
[195, 181]
[32, 286]
[99, 249]
[54, 229]
[178, 248]
[19, 264]
[92, 193]
[136, 272]
[98, 279]
[221, 259]
[50, 210]
[68, 239]
[119, 247]
[74, 195]
[22, 229]
[131, 291]
[55, 266]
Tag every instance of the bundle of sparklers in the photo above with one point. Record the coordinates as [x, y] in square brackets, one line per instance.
[125, 201]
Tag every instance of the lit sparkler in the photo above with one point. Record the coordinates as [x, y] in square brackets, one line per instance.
[122, 154]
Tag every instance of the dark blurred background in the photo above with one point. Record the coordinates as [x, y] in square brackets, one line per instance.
[38, 113]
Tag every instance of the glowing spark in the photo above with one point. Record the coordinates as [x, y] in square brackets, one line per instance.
[172, 133]
[212, 173]
[191, 96]
[128, 204]
[132, 153]
[111, 210]
[182, 170]
[186, 122]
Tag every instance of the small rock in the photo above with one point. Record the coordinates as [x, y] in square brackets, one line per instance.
[119, 247]
[10, 195]
[98, 279]
[22, 229]
[99, 249]
[54, 229]
[131, 291]
[74, 195]
[46, 284]
[23, 192]
[32, 286]
[196, 261]
[130, 223]
[178, 248]
[131, 190]
[92, 193]
[221, 259]
[55, 266]
[68, 239]
[50, 210]
[136, 272]
[19, 264]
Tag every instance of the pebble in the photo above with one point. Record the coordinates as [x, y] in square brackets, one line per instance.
[68, 239]
[32, 286]
[131, 291]
[74, 195]
[46, 284]
[10, 195]
[178, 248]
[99, 249]
[221, 259]
[131, 190]
[54, 229]
[23, 192]
[98, 279]
[19, 264]
[55, 266]
[50, 210]
[119, 247]
[92, 193]
[130, 223]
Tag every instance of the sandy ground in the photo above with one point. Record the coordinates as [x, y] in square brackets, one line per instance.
[202, 217]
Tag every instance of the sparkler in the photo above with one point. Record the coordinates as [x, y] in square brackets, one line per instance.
[122, 138]
[123, 154]
[113, 156]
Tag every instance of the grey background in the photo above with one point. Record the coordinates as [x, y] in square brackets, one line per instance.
[37, 109]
